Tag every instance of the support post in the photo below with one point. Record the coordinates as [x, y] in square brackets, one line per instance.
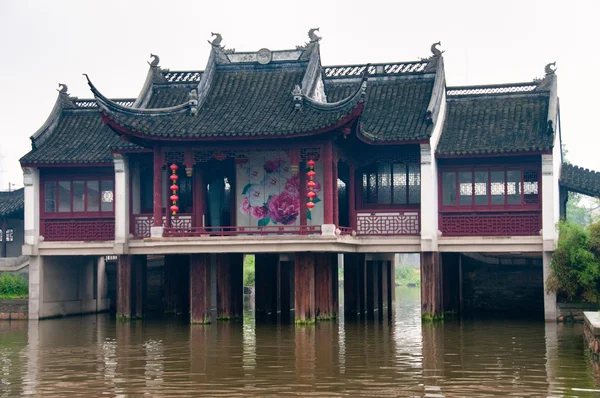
[199, 188]
[431, 286]
[229, 286]
[372, 289]
[383, 291]
[124, 304]
[302, 192]
[353, 284]
[285, 285]
[200, 283]
[352, 196]
[139, 285]
[304, 287]
[266, 286]
[334, 182]
[327, 159]
[324, 286]
[122, 203]
[157, 225]
[450, 283]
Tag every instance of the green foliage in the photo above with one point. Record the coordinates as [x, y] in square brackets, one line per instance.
[408, 275]
[249, 267]
[13, 286]
[575, 267]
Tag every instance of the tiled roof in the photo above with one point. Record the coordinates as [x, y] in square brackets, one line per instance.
[495, 121]
[242, 102]
[394, 109]
[580, 180]
[11, 202]
[80, 136]
[165, 96]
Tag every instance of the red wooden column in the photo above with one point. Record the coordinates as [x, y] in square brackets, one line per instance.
[302, 179]
[327, 159]
[229, 285]
[124, 307]
[431, 286]
[200, 288]
[323, 286]
[352, 196]
[304, 287]
[199, 191]
[158, 188]
[336, 210]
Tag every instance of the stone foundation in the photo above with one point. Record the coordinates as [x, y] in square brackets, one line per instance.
[591, 333]
[13, 309]
[573, 312]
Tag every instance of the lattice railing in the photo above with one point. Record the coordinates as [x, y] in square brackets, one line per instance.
[142, 223]
[491, 224]
[182, 76]
[242, 231]
[397, 68]
[78, 230]
[92, 103]
[385, 223]
[492, 89]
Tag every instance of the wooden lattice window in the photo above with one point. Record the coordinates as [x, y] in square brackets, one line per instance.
[391, 185]
[79, 197]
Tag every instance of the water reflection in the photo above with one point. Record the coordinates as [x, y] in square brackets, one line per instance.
[92, 356]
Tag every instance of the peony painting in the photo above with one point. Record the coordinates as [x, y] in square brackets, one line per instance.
[270, 192]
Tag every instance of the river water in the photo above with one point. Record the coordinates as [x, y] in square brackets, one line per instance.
[94, 355]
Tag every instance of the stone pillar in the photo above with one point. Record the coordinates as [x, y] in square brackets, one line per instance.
[121, 202]
[354, 284]
[229, 285]
[266, 285]
[431, 286]
[124, 302]
[200, 293]
[102, 301]
[304, 287]
[36, 286]
[139, 278]
[31, 181]
[550, 217]
[550, 311]
[327, 159]
[157, 225]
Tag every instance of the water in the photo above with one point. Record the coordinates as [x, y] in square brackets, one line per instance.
[94, 355]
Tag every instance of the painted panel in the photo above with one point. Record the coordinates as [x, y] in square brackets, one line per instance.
[268, 192]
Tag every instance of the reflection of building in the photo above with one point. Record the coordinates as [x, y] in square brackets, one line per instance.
[11, 223]
[270, 152]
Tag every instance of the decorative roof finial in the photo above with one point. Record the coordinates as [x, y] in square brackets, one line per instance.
[62, 88]
[313, 36]
[436, 51]
[550, 68]
[155, 61]
[217, 40]
[297, 97]
[193, 102]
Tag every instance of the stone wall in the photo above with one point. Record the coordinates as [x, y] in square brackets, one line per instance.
[573, 312]
[591, 333]
[13, 309]
[512, 286]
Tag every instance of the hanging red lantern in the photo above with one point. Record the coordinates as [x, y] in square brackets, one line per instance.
[311, 194]
[174, 187]
[174, 209]
[310, 205]
[173, 177]
[174, 167]
[311, 174]
[311, 163]
[174, 198]
[311, 184]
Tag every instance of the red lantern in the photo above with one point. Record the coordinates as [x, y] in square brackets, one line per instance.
[311, 163]
[311, 194]
[174, 209]
[310, 205]
[311, 174]
[311, 184]
[174, 167]
[174, 187]
[174, 198]
[173, 177]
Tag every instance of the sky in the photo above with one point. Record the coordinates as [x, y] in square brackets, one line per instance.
[43, 43]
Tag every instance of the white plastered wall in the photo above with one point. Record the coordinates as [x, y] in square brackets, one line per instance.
[121, 203]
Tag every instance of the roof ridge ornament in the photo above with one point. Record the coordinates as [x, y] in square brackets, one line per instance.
[308, 48]
[549, 74]
[220, 51]
[155, 61]
[297, 97]
[434, 59]
[66, 99]
[313, 36]
[193, 101]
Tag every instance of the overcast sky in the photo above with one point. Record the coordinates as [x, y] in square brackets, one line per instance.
[43, 43]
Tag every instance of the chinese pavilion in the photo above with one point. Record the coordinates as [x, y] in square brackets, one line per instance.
[271, 153]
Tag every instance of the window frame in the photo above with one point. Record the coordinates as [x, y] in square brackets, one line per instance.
[55, 179]
[374, 168]
[489, 207]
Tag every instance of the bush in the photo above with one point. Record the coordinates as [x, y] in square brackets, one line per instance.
[408, 275]
[13, 286]
[575, 266]
[249, 267]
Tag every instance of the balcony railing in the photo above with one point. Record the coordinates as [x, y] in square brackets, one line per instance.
[89, 229]
[141, 224]
[388, 223]
[491, 224]
[240, 231]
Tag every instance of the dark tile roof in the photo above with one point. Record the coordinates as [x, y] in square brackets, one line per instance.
[580, 180]
[394, 109]
[165, 96]
[496, 124]
[80, 136]
[242, 102]
[11, 202]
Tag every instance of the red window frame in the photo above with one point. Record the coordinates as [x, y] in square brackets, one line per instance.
[75, 214]
[374, 167]
[489, 207]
